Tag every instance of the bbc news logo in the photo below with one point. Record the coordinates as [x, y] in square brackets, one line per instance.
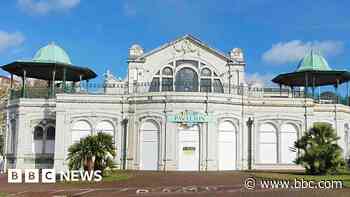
[51, 176]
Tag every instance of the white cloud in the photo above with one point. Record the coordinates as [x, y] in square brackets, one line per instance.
[259, 80]
[292, 51]
[10, 40]
[45, 6]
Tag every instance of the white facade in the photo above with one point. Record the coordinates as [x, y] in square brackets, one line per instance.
[180, 76]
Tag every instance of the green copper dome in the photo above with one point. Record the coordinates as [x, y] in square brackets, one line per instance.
[52, 53]
[313, 61]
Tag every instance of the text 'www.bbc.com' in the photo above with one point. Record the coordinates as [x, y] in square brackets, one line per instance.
[252, 184]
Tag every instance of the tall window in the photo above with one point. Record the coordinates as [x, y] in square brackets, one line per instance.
[38, 139]
[167, 79]
[44, 139]
[155, 85]
[106, 127]
[80, 130]
[267, 144]
[186, 80]
[12, 137]
[206, 80]
[50, 140]
[218, 86]
[288, 137]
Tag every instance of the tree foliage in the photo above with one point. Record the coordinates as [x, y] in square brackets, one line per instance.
[319, 151]
[94, 152]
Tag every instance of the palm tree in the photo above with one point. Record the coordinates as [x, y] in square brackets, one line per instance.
[94, 152]
[320, 153]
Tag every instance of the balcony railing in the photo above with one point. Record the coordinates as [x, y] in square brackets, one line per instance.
[141, 88]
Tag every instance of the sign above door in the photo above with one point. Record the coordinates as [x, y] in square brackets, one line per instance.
[189, 117]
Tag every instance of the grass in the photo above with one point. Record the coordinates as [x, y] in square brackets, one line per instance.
[343, 176]
[2, 194]
[117, 175]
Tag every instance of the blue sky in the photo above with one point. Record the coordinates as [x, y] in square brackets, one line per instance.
[273, 34]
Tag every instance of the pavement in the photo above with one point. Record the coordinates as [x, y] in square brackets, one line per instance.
[167, 184]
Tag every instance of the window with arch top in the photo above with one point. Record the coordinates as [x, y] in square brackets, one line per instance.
[186, 76]
[186, 80]
[44, 139]
[267, 144]
[167, 71]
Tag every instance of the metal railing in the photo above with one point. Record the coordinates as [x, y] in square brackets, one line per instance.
[141, 88]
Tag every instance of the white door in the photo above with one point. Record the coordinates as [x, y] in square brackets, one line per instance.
[189, 149]
[288, 137]
[267, 144]
[149, 146]
[227, 146]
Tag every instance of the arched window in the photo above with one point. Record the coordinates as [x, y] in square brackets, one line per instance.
[149, 146]
[44, 139]
[167, 71]
[205, 72]
[186, 80]
[12, 137]
[288, 137]
[267, 144]
[105, 127]
[227, 146]
[167, 79]
[38, 139]
[80, 130]
[50, 139]
[206, 80]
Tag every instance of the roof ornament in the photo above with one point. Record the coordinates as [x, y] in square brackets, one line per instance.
[237, 54]
[185, 47]
[108, 75]
[135, 51]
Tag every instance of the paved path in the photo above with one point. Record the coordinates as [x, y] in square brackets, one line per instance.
[161, 184]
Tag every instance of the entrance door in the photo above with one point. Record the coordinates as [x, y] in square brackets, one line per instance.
[149, 136]
[189, 149]
[227, 146]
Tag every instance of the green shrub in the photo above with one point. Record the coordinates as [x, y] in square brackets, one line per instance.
[94, 152]
[319, 151]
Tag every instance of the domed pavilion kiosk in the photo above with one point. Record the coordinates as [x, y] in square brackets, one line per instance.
[313, 71]
[51, 64]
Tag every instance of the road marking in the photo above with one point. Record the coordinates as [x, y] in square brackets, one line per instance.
[85, 192]
[150, 190]
[19, 193]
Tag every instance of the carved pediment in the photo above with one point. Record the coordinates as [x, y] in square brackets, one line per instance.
[187, 45]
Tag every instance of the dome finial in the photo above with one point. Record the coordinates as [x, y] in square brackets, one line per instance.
[313, 61]
[135, 51]
[52, 53]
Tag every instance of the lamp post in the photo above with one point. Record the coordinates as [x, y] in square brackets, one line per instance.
[165, 133]
[250, 123]
[125, 126]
